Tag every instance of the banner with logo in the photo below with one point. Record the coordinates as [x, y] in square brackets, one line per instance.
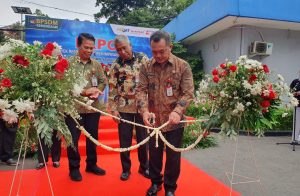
[64, 32]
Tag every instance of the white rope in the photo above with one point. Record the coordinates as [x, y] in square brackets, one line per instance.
[156, 131]
[16, 168]
[46, 167]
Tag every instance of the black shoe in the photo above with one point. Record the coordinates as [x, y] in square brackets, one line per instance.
[96, 170]
[39, 166]
[11, 162]
[56, 164]
[152, 191]
[169, 193]
[144, 173]
[75, 175]
[125, 175]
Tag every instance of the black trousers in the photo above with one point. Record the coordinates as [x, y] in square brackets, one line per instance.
[55, 149]
[90, 122]
[125, 139]
[7, 140]
[173, 159]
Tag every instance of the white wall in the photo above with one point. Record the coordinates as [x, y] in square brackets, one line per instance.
[233, 42]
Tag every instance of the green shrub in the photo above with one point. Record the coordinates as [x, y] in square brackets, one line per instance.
[191, 134]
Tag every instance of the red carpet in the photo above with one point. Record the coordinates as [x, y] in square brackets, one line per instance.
[192, 181]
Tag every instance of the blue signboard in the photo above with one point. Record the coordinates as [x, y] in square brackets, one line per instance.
[64, 32]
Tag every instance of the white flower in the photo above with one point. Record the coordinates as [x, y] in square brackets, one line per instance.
[222, 94]
[240, 107]
[266, 92]
[203, 86]
[10, 116]
[248, 103]
[4, 104]
[77, 90]
[57, 46]
[235, 111]
[247, 85]
[280, 77]
[284, 115]
[37, 43]
[24, 106]
[6, 49]
[294, 101]
[256, 90]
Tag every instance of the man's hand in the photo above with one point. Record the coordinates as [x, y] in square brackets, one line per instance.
[174, 118]
[116, 113]
[147, 116]
[296, 93]
[93, 92]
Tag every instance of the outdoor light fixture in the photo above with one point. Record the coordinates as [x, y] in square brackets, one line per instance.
[21, 10]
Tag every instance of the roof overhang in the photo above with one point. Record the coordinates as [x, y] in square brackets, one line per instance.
[233, 21]
[206, 17]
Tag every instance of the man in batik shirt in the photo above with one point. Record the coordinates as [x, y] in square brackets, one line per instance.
[123, 79]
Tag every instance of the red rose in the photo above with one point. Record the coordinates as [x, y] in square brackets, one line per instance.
[46, 52]
[103, 65]
[233, 68]
[215, 72]
[223, 65]
[106, 69]
[1, 71]
[252, 78]
[6, 82]
[49, 46]
[18, 59]
[64, 63]
[266, 69]
[224, 73]
[265, 104]
[59, 67]
[216, 79]
[272, 95]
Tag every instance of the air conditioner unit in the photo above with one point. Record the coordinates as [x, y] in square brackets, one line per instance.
[261, 48]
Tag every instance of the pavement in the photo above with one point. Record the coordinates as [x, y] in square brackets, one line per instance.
[274, 169]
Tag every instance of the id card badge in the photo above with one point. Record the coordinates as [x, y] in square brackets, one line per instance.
[137, 78]
[94, 81]
[169, 91]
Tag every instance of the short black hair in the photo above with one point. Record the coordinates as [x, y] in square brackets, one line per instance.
[161, 34]
[82, 36]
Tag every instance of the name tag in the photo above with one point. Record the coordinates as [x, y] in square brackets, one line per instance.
[169, 90]
[94, 81]
[137, 78]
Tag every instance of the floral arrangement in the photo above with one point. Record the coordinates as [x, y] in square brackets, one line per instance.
[245, 96]
[38, 87]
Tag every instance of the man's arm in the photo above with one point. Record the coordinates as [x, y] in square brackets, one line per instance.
[142, 91]
[187, 91]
